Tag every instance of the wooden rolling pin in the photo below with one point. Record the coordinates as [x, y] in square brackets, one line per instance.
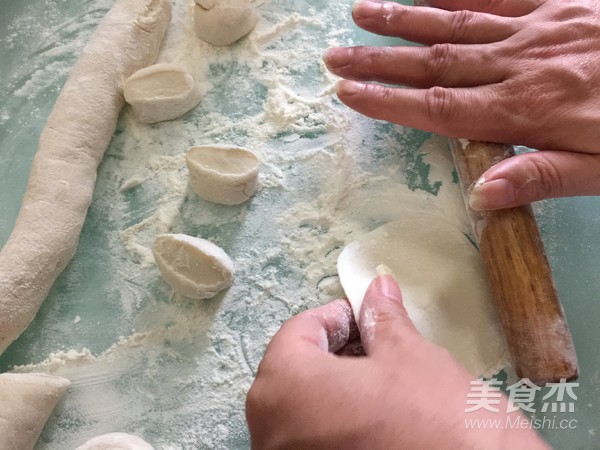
[533, 321]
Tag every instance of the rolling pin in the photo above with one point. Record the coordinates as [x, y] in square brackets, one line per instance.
[533, 321]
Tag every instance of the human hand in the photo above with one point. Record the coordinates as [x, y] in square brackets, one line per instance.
[406, 393]
[522, 72]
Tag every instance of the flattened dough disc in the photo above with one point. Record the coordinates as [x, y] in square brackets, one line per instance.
[443, 284]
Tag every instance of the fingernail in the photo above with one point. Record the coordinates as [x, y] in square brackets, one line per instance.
[388, 287]
[493, 194]
[327, 55]
[348, 88]
[382, 270]
[365, 9]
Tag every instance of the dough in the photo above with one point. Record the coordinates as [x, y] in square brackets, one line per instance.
[26, 402]
[220, 174]
[193, 267]
[161, 92]
[222, 22]
[116, 441]
[443, 284]
[72, 144]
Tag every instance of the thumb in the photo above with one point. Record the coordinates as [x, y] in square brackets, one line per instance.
[526, 178]
[383, 320]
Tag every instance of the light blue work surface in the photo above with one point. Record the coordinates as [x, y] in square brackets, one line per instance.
[46, 35]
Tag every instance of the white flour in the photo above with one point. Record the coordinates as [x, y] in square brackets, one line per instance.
[327, 177]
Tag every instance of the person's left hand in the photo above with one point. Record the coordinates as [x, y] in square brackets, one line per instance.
[521, 72]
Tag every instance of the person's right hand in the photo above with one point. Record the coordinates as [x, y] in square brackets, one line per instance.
[514, 71]
[406, 393]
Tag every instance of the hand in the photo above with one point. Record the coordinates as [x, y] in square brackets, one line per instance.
[514, 71]
[407, 393]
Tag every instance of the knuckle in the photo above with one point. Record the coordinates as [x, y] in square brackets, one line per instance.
[548, 180]
[253, 399]
[528, 106]
[459, 24]
[264, 367]
[572, 11]
[491, 5]
[269, 365]
[384, 94]
[393, 323]
[438, 101]
[376, 60]
[386, 317]
[439, 61]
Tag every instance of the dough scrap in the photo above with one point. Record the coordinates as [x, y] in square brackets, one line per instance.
[26, 402]
[223, 22]
[222, 174]
[193, 267]
[72, 144]
[161, 92]
[116, 441]
[443, 283]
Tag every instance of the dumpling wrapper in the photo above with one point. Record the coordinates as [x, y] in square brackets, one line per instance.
[26, 402]
[116, 441]
[444, 287]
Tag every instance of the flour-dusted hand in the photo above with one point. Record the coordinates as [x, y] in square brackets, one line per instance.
[406, 393]
[515, 71]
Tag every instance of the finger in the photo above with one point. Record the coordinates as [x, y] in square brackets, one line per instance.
[432, 25]
[324, 329]
[383, 320]
[439, 65]
[526, 178]
[507, 8]
[471, 113]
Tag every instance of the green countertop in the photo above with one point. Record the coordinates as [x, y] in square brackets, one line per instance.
[189, 383]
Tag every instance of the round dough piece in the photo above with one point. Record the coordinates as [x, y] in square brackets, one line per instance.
[161, 92]
[443, 284]
[221, 174]
[223, 22]
[116, 441]
[193, 267]
[26, 402]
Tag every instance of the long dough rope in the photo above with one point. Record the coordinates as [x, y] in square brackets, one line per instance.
[71, 147]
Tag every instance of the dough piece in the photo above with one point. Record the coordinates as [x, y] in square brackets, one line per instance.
[223, 22]
[220, 174]
[116, 441]
[443, 284]
[161, 92]
[193, 267]
[26, 402]
[72, 145]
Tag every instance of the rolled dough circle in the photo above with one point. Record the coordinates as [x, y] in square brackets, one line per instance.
[443, 284]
